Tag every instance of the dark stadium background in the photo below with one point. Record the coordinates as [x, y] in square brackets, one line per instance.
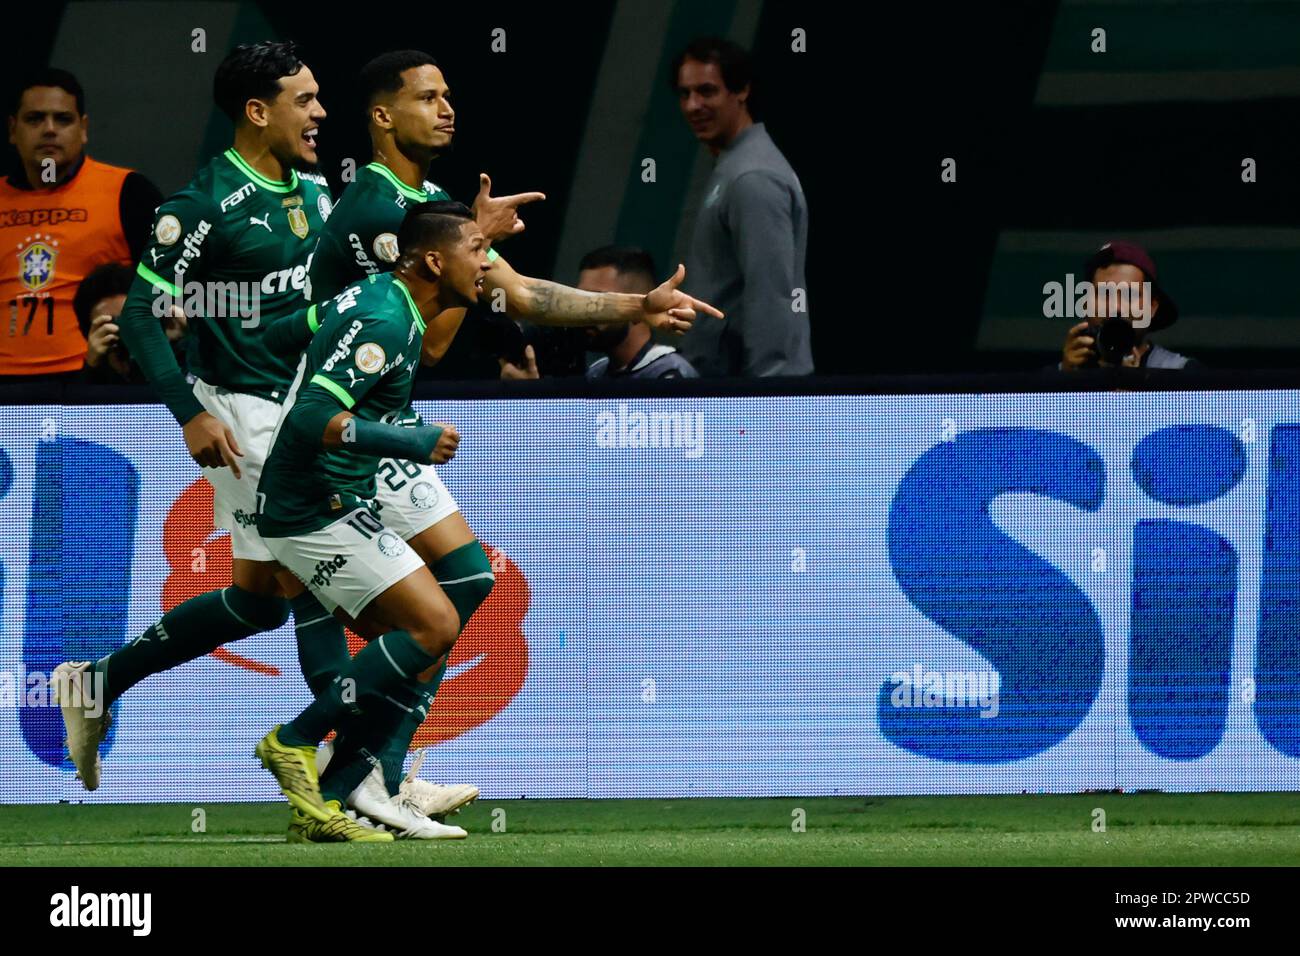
[1055, 146]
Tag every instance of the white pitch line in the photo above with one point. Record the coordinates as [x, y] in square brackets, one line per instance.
[153, 840]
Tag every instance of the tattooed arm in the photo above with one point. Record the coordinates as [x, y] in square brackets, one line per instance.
[549, 303]
[665, 309]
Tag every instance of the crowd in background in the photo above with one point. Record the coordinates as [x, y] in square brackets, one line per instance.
[72, 230]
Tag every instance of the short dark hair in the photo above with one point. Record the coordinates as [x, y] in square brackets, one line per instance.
[383, 74]
[626, 260]
[252, 71]
[733, 60]
[430, 224]
[50, 76]
[111, 278]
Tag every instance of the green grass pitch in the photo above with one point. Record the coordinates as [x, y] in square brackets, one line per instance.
[1141, 830]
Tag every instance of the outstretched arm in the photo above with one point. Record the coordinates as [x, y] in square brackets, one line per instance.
[666, 308]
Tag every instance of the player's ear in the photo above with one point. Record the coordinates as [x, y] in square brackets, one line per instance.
[85, 128]
[255, 112]
[380, 116]
[434, 263]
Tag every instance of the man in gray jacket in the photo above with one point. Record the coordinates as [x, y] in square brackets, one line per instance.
[751, 234]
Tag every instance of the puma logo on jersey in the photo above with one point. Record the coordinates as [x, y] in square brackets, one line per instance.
[154, 253]
[264, 221]
[352, 377]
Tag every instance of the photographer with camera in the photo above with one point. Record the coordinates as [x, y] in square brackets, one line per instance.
[97, 304]
[1113, 337]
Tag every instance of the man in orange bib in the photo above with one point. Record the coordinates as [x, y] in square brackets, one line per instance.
[61, 215]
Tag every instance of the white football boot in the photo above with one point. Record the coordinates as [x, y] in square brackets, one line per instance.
[372, 800]
[85, 718]
[435, 799]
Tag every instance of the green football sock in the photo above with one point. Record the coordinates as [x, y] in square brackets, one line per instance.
[347, 768]
[466, 577]
[322, 644]
[363, 743]
[383, 664]
[323, 654]
[393, 756]
[188, 631]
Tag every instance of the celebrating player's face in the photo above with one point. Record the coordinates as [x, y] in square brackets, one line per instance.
[293, 118]
[47, 126]
[465, 264]
[421, 113]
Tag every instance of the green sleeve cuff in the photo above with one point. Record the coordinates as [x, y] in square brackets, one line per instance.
[395, 441]
[147, 344]
[290, 334]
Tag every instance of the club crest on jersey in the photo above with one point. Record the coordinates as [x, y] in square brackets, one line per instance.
[385, 246]
[298, 222]
[36, 262]
[168, 230]
[324, 207]
[370, 357]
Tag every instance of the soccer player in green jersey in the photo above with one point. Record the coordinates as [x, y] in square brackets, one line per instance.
[316, 493]
[317, 513]
[233, 248]
[411, 121]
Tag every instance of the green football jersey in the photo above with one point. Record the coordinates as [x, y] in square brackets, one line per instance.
[235, 248]
[361, 237]
[362, 359]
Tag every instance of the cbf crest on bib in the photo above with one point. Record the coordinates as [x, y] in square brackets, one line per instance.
[36, 262]
[298, 222]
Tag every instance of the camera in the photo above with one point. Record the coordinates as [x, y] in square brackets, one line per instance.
[1113, 340]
